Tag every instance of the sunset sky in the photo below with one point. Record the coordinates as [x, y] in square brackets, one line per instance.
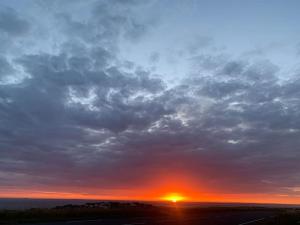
[147, 99]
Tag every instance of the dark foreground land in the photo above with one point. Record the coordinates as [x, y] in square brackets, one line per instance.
[115, 213]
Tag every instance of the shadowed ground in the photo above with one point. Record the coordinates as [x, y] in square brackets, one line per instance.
[114, 213]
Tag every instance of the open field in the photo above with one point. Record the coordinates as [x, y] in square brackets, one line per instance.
[139, 214]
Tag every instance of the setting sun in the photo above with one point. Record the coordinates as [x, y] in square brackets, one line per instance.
[174, 197]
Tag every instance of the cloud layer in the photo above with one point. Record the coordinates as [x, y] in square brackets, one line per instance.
[82, 117]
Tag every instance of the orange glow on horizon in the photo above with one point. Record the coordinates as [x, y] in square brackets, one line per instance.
[163, 187]
[149, 196]
[174, 197]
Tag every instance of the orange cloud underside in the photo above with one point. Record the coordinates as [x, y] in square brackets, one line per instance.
[124, 195]
[167, 189]
[172, 194]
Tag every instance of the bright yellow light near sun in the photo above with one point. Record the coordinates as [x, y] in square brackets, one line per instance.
[173, 197]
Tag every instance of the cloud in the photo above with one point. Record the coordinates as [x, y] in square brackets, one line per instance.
[5, 67]
[12, 24]
[154, 57]
[199, 43]
[80, 119]
[107, 119]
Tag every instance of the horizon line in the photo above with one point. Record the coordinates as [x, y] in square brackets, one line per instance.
[166, 201]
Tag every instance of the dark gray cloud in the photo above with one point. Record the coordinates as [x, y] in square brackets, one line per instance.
[132, 121]
[11, 23]
[107, 21]
[5, 67]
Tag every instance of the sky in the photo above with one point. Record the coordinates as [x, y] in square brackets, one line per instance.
[134, 99]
